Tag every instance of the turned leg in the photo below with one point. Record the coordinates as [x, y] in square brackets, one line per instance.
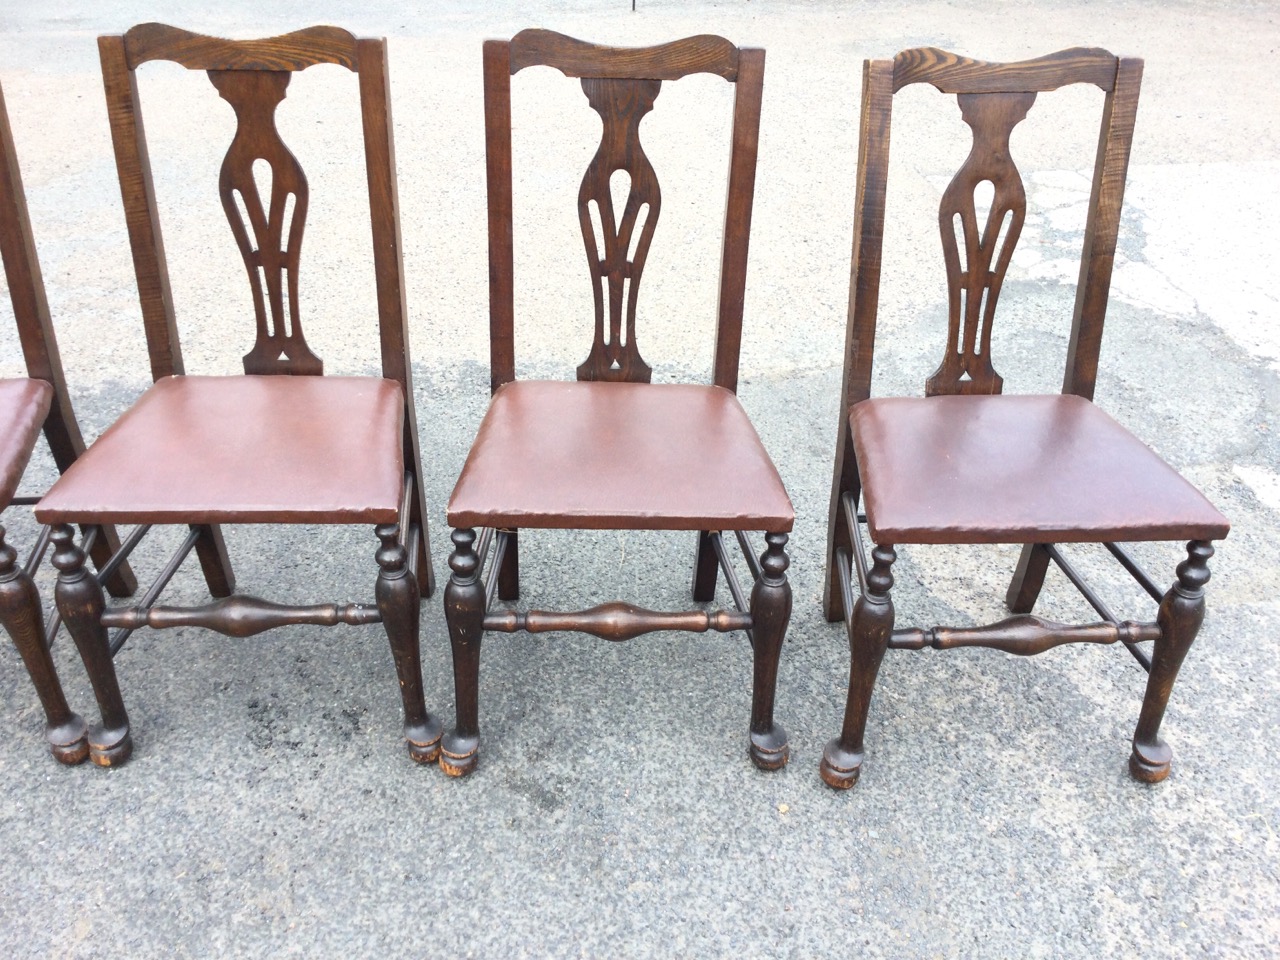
[1028, 578]
[214, 561]
[868, 639]
[80, 602]
[464, 604]
[1180, 616]
[398, 602]
[23, 618]
[509, 575]
[706, 567]
[770, 613]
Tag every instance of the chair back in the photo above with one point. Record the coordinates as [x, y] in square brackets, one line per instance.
[993, 99]
[621, 85]
[253, 76]
[30, 303]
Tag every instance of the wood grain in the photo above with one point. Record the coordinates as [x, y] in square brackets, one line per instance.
[290, 51]
[952, 73]
[667, 61]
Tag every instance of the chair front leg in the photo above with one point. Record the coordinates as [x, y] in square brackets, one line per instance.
[1180, 616]
[398, 602]
[770, 614]
[80, 601]
[23, 618]
[869, 631]
[464, 603]
[706, 567]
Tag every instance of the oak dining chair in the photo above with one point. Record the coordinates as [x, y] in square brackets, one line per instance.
[611, 450]
[282, 444]
[967, 463]
[29, 405]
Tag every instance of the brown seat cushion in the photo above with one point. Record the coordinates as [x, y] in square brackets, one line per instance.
[23, 406]
[618, 456]
[1017, 469]
[272, 449]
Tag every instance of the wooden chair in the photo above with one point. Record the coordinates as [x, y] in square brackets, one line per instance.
[27, 406]
[612, 450]
[965, 464]
[281, 445]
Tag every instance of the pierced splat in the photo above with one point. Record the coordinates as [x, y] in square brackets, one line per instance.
[271, 254]
[974, 286]
[621, 105]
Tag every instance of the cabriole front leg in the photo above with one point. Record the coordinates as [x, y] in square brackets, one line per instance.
[869, 630]
[398, 602]
[464, 603]
[80, 601]
[770, 614]
[23, 618]
[1180, 616]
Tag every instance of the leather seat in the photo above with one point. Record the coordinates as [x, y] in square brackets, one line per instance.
[24, 404]
[1017, 469]
[243, 450]
[636, 456]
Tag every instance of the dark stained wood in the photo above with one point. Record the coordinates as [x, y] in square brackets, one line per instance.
[1179, 619]
[770, 614]
[1024, 636]
[952, 73]
[585, 436]
[39, 343]
[291, 51]
[615, 621]
[509, 568]
[706, 567]
[615, 272]
[1033, 564]
[748, 91]
[22, 616]
[398, 604]
[80, 602]
[1102, 228]
[268, 229]
[899, 456]
[870, 626]
[388, 265]
[864, 299]
[464, 606]
[270, 247]
[240, 616]
[497, 151]
[141, 214]
[973, 283]
[667, 61]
